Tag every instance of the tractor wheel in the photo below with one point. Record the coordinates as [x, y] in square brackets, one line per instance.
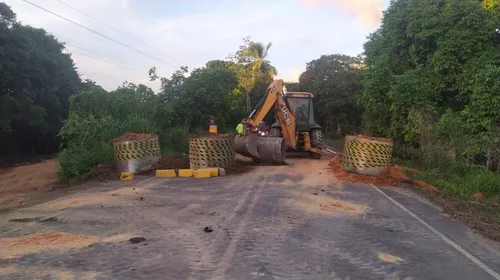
[316, 138]
[274, 132]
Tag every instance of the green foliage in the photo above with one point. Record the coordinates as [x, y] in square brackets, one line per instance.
[96, 117]
[77, 161]
[175, 140]
[36, 80]
[336, 82]
[252, 69]
[460, 180]
[439, 57]
[431, 82]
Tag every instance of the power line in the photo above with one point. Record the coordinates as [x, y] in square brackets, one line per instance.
[117, 30]
[100, 34]
[122, 66]
[99, 54]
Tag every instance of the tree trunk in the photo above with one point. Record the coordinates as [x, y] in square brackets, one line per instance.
[488, 160]
[249, 109]
[339, 130]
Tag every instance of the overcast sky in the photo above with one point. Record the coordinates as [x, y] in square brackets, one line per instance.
[191, 32]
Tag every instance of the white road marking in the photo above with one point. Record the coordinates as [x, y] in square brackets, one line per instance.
[442, 236]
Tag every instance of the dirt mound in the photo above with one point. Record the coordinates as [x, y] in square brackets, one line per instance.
[18, 183]
[172, 162]
[391, 176]
[130, 136]
[104, 172]
[37, 242]
[364, 137]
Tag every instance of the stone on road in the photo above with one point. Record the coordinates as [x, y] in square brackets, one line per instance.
[275, 222]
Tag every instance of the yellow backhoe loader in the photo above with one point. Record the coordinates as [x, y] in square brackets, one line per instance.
[295, 128]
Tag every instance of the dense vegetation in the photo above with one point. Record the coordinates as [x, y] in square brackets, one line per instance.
[429, 79]
[432, 84]
[36, 80]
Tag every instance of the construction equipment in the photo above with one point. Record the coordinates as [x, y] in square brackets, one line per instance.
[294, 129]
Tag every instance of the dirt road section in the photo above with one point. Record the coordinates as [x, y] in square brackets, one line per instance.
[275, 222]
[19, 184]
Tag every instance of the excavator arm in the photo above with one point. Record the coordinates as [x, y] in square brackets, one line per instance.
[275, 97]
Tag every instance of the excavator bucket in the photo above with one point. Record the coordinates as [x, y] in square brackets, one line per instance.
[269, 150]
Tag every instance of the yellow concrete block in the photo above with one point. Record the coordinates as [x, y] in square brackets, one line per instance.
[185, 172]
[214, 172]
[167, 173]
[126, 176]
[201, 173]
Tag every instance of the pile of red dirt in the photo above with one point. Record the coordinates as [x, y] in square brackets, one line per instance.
[104, 172]
[130, 136]
[364, 137]
[391, 176]
[173, 162]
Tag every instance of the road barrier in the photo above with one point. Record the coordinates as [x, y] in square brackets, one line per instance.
[365, 155]
[136, 155]
[211, 152]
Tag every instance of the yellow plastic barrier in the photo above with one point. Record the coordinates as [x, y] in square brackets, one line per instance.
[168, 173]
[201, 173]
[185, 172]
[126, 176]
[214, 172]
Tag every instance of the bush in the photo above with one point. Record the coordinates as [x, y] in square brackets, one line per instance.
[175, 140]
[77, 161]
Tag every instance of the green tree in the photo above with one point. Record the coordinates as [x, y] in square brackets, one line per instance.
[210, 92]
[252, 66]
[36, 81]
[336, 81]
[432, 65]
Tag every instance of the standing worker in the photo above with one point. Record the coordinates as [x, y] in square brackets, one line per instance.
[212, 127]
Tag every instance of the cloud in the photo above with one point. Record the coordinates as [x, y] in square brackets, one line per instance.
[187, 33]
[368, 12]
[292, 76]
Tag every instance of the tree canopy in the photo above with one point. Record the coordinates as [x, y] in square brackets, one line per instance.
[36, 81]
[435, 63]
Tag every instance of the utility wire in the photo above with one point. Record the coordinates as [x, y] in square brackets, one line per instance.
[117, 30]
[99, 54]
[100, 34]
[122, 66]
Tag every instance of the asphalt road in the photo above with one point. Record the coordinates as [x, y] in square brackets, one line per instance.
[281, 222]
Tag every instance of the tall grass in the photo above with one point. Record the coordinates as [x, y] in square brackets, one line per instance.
[455, 177]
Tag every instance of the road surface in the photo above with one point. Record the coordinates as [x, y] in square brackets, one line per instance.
[280, 222]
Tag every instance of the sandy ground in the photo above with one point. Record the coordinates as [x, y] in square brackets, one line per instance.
[21, 183]
[275, 222]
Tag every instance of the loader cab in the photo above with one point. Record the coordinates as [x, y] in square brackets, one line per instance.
[301, 104]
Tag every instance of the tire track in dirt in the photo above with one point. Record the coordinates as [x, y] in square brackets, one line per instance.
[345, 244]
[261, 248]
[200, 247]
[227, 258]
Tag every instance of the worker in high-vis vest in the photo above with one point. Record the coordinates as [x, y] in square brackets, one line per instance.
[212, 127]
[241, 126]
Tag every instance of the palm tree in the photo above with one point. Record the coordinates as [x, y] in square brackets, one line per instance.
[255, 60]
[257, 54]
